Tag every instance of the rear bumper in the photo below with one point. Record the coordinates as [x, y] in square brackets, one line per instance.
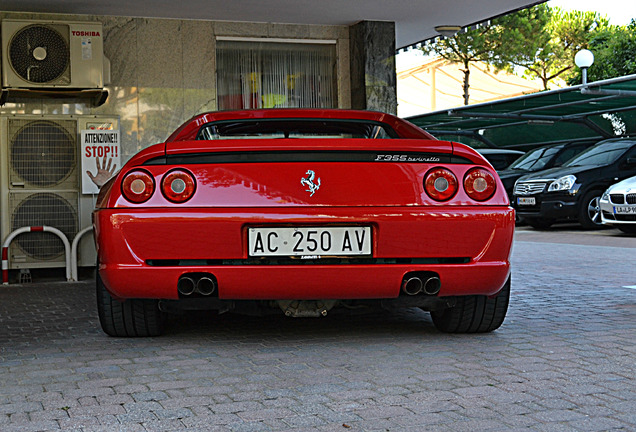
[468, 247]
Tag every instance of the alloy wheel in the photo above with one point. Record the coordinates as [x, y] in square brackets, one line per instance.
[594, 210]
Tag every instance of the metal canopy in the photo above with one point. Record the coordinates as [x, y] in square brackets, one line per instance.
[598, 110]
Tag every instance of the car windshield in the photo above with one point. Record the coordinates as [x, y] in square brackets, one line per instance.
[600, 154]
[535, 159]
[295, 128]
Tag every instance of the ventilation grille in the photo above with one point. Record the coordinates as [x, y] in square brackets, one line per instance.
[529, 188]
[40, 54]
[43, 153]
[58, 210]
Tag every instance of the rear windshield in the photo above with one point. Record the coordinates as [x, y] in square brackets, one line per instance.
[600, 154]
[295, 128]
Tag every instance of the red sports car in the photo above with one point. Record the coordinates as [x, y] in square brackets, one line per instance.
[300, 211]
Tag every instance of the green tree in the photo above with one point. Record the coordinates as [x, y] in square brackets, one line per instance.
[471, 45]
[614, 49]
[540, 41]
[544, 47]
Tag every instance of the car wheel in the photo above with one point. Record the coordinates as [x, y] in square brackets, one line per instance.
[474, 314]
[539, 223]
[130, 318]
[590, 210]
[627, 229]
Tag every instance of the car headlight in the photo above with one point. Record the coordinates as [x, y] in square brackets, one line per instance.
[563, 183]
[605, 196]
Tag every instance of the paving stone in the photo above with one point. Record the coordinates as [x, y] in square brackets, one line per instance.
[563, 360]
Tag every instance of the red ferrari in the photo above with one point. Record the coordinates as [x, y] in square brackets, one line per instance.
[301, 211]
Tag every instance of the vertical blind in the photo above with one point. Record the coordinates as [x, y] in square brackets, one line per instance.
[275, 75]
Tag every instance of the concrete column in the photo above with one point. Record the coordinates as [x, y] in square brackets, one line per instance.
[373, 75]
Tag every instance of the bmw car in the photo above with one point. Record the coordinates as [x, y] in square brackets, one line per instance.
[618, 206]
[301, 212]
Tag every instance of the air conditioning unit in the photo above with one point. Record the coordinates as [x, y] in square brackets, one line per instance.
[40, 185]
[53, 59]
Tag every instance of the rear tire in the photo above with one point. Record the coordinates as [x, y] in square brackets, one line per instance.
[130, 318]
[474, 314]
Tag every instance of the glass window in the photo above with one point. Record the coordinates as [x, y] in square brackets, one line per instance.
[276, 75]
[295, 128]
[568, 154]
[601, 154]
[535, 159]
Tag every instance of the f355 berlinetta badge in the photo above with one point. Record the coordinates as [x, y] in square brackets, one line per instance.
[309, 182]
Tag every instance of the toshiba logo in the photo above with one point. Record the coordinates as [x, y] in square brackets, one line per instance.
[85, 33]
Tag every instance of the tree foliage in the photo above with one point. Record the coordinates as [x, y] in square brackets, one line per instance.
[614, 51]
[541, 43]
[472, 45]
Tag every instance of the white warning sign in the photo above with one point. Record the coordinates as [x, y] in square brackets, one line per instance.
[101, 157]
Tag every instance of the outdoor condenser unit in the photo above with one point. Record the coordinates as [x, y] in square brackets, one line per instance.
[40, 185]
[53, 59]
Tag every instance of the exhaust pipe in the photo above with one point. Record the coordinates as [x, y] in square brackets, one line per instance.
[412, 286]
[432, 285]
[206, 286]
[185, 286]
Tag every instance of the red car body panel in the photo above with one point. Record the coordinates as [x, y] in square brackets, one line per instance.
[466, 242]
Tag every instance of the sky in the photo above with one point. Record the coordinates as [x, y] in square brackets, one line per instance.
[619, 12]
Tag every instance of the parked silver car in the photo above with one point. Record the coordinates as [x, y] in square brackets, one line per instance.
[618, 205]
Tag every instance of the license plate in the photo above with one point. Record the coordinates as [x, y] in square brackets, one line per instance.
[624, 209]
[526, 201]
[309, 241]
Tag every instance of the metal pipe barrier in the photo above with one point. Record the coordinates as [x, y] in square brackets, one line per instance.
[76, 240]
[14, 234]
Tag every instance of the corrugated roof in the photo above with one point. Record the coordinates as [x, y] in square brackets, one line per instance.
[600, 109]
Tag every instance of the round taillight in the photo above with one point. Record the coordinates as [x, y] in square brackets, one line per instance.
[440, 184]
[480, 184]
[138, 186]
[178, 186]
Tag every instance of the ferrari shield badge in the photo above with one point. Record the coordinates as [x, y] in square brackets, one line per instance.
[309, 182]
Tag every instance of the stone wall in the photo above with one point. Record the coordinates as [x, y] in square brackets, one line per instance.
[163, 71]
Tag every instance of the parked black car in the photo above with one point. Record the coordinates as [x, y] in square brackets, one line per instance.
[540, 158]
[572, 192]
[500, 159]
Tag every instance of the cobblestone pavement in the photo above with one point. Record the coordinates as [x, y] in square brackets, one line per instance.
[564, 360]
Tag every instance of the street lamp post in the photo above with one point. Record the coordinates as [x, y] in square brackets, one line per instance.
[584, 59]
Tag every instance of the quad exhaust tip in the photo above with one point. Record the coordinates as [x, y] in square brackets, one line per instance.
[186, 286]
[203, 284]
[206, 286]
[412, 286]
[428, 284]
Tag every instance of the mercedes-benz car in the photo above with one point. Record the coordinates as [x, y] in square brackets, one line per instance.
[573, 191]
[301, 211]
[538, 159]
[618, 206]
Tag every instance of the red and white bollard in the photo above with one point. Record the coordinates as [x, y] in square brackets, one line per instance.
[14, 234]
